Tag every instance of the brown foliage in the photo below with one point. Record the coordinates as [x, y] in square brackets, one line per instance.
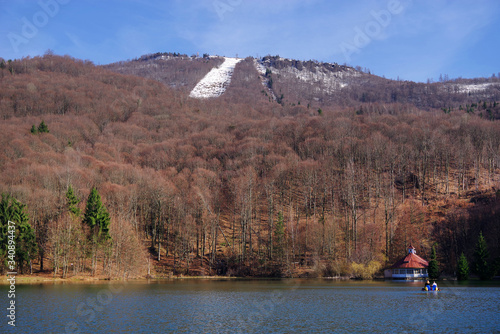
[190, 178]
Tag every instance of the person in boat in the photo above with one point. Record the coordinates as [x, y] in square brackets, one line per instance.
[427, 286]
[434, 286]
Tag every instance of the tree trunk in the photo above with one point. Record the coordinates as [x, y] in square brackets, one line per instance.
[42, 253]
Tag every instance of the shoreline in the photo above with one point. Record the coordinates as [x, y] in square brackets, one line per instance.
[29, 279]
[35, 279]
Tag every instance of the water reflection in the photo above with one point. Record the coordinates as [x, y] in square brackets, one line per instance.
[256, 306]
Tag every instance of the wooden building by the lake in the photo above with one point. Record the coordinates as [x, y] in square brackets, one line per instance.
[411, 266]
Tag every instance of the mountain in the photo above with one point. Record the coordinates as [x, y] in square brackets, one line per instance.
[247, 181]
[311, 83]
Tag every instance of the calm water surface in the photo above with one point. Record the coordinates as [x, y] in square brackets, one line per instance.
[254, 306]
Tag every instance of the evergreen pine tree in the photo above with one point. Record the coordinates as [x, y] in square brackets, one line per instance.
[21, 233]
[43, 128]
[480, 258]
[97, 217]
[34, 130]
[433, 265]
[72, 201]
[462, 268]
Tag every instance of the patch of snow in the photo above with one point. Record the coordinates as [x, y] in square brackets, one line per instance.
[473, 88]
[328, 81]
[215, 82]
[169, 57]
[261, 69]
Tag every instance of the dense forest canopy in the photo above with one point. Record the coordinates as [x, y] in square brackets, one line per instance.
[241, 184]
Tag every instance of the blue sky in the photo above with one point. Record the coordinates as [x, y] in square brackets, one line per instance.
[409, 39]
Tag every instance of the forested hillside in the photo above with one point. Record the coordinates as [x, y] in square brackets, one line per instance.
[242, 184]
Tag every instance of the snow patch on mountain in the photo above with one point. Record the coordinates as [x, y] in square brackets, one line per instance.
[261, 69]
[474, 88]
[325, 80]
[215, 82]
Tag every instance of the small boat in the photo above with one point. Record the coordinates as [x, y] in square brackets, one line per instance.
[429, 287]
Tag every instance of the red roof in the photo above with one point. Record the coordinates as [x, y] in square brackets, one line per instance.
[411, 260]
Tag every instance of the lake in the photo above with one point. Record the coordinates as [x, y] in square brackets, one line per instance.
[253, 306]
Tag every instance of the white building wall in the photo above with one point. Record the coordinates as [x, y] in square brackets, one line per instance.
[406, 273]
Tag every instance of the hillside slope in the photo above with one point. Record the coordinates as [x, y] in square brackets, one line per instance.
[235, 185]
